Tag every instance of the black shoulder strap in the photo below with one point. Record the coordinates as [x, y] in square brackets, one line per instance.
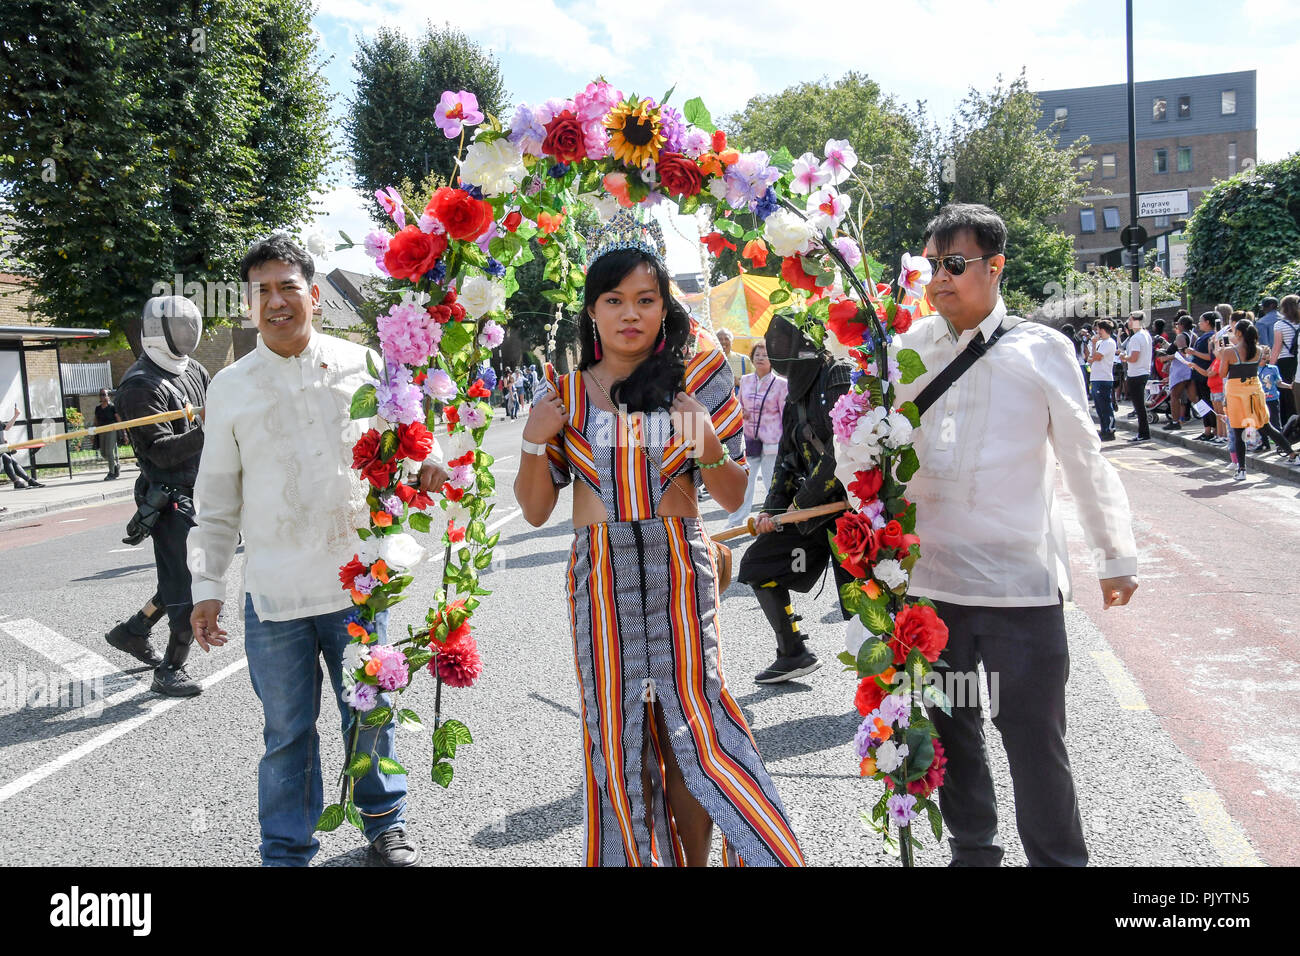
[957, 368]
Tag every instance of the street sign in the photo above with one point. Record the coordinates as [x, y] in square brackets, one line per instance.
[1172, 202]
[1133, 236]
[1177, 255]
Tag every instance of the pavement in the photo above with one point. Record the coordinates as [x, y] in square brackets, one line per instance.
[1184, 724]
[62, 492]
[1270, 463]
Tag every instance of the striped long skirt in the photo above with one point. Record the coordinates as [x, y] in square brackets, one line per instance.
[643, 605]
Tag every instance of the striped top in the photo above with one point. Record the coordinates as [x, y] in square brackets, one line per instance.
[629, 461]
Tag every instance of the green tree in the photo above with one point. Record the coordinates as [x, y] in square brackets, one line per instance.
[145, 139]
[883, 133]
[1244, 233]
[390, 131]
[1037, 255]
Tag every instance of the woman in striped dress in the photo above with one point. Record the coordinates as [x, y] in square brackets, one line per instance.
[667, 751]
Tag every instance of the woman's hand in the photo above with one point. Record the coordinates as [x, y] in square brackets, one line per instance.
[764, 524]
[697, 423]
[546, 418]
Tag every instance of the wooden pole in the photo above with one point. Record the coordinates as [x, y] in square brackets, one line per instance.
[189, 411]
[790, 517]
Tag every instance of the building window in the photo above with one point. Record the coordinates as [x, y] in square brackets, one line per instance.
[1110, 217]
[1232, 158]
[1108, 165]
[1062, 114]
[1158, 106]
[1184, 107]
[1087, 220]
[1162, 221]
[1086, 166]
[1162, 160]
[1228, 102]
[1184, 159]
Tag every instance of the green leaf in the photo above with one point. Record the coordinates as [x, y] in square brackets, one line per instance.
[782, 160]
[876, 618]
[908, 463]
[483, 560]
[472, 254]
[346, 237]
[460, 733]
[910, 366]
[331, 818]
[378, 717]
[555, 295]
[697, 115]
[731, 228]
[455, 337]
[442, 774]
[364, 533]
[911, 413]
[663, 100]
[370, 364]
[848, 660]
[936, 819]
[417, 658]
[359, 767]
[779, 296]
[920, 754]
[354, 816]
[419, 521]
[874, 657]
[388, 444]
[364, 403]
[690, 204]
[390, 766]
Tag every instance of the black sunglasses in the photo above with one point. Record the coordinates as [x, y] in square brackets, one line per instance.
[953, 265]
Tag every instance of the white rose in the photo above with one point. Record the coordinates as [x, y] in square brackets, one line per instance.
[481, 296]
[889, 756]
[718, 189]
[855, 635]
[495, 167]
[889, 573]
[900, 430]
[787, 233]
[400, 551]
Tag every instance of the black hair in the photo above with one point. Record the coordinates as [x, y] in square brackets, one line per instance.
[1106, 324]
[279, 248]
[1067, 329]
[985, 225]
[1210, 317]
[655, 382]
[1158, 326]
[1251, 336]
[1185, 322]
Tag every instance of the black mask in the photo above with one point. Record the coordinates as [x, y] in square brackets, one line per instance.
[793, 355]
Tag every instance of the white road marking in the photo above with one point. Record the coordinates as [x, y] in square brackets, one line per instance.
[71, 520]
[125, 727]
[124, 550]
[1227, 839]
[82, 664]
[1126, 691]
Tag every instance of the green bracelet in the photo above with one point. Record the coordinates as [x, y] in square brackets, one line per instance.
[719, 463]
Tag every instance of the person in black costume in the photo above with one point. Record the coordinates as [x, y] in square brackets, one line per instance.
[165, 378]
[794, 556]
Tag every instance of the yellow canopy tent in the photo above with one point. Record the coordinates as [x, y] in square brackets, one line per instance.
[739, 305]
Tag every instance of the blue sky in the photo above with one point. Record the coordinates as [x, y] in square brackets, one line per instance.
[932, 51]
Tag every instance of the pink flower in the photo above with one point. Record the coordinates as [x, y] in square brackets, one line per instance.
[849, 250]
[591, 106]
[844, 416]
[462, 476]
[900, 808]
[808, 175]
[376, 243]
[429, 223]
[471, 416]
[392, 203]
[393, 673]
[826, 209]
[840, 159]
[440, 386]
[406, 335]
[915, 274]
[456, 111]
[459, 665]
[492, 335]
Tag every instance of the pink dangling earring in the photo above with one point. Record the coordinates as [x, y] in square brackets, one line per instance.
[663, 339]
[598, 348]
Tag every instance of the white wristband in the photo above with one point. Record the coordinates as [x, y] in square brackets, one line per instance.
[532, 447]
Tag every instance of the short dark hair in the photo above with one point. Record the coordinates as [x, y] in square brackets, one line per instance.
[1106, 324]
[1267, 304]
[985, 225]
[280, 248]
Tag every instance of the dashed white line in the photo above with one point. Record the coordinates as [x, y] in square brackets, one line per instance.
[1227, 839]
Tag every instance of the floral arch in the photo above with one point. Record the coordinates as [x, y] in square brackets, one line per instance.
[451, 266]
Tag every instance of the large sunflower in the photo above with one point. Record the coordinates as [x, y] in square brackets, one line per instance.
[635, 137]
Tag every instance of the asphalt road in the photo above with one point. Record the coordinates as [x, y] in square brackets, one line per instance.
[1167, 754]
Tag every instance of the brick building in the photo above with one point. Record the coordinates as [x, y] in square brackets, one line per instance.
[1191, 131]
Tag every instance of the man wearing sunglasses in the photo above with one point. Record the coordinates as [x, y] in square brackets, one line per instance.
[993, 555]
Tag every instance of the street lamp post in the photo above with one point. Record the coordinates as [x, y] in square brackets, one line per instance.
[1135, 250]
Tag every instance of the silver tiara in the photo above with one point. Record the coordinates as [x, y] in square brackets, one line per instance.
[626, 231]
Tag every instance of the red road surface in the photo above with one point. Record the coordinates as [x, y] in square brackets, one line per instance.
[1213, 633]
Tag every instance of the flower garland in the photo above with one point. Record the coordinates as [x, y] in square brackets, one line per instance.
[452, 269]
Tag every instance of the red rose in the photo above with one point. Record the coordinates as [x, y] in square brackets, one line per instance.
[479, 390]
[902, 320]
[870, 694]
[365, 450]
[411, 253]
[350, 571]
[452, 494]
[917, 625]
[464, 216]
[716, 242]
[866, 484]
[379, 473]
[792, 272]
[856, 542]
[512, 221]
[891, 535]
[719, 141]
[465, 459]
[680, 175]
[842, 322]
[414, 441]
[564, 139]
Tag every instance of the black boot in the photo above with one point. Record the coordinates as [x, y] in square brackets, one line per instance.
[133, 635]
[793, 658]
[171, 677]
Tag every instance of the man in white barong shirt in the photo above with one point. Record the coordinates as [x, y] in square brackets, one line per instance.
[993, 553]
[277, 465]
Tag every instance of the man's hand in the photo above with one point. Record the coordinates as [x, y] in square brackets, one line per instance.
[1115, 592]
[203, 622]
[764, 523]
[432, 476]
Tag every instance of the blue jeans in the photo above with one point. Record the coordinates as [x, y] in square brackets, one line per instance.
[1101, 400]
[284, 664]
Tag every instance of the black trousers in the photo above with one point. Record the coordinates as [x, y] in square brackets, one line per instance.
[13, 469]
[1287, 366]
[1203, 393]
[170, 558]
[1137, 394]
[1025, 654]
